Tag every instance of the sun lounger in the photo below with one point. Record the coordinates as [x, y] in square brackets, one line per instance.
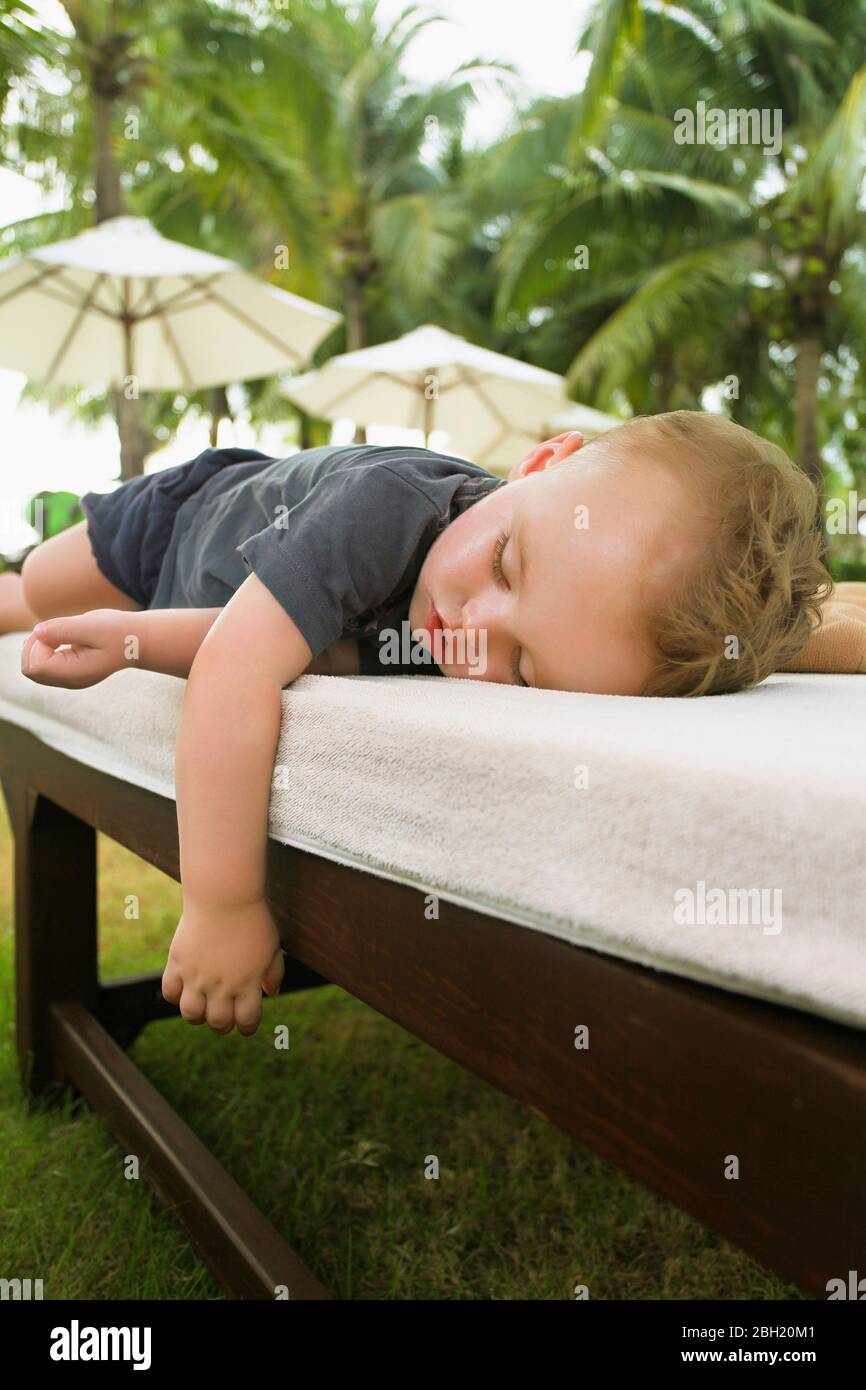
[641, 918]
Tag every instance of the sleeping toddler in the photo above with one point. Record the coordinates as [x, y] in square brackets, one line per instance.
[676, 555]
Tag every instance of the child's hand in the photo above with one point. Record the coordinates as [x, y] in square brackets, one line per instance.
[96, 649]
[219, 961]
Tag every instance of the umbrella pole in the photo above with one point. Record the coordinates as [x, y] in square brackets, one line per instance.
[129, 422]
[428, 412]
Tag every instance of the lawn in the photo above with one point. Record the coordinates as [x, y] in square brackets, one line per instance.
[329, 1138]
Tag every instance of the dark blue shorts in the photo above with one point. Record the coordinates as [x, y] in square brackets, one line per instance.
[129, 529]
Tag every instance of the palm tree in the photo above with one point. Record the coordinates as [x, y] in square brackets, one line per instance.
[318, 143]
[370, 165]
[731, 239]
[118, 83]
[372, 143]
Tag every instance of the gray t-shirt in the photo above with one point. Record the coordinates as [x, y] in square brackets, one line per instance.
[337, 534]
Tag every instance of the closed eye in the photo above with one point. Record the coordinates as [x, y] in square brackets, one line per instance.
[498, 573]
[515, 667]
[499, 576]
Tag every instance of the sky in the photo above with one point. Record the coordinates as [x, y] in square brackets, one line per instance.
[39, 449]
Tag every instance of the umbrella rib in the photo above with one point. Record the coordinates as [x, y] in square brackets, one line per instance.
[500, 438]
[185, 293]
[126, 318]
[139, 315]
[73, 328]
[147, 293]
[251, 323]
[421, 398]
[371, 376]
[175, 348]
[30, 284]
[74, 303]
[473, 382]
[502, 435]
[72, 297]
[157, 312]
[75, 292]
[116, 285]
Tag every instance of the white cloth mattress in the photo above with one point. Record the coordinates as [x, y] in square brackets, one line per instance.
[475, 792]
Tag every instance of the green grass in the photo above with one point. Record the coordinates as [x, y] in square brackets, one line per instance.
[329, 1139]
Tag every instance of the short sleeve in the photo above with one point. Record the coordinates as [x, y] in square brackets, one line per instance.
[356, 539]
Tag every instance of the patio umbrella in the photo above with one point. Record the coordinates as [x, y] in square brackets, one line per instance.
[583, 418]
[121, 300]
[492, 406]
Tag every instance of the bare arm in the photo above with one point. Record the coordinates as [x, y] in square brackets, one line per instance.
[237, 659]
[226, 946]
[106, 640]
[227, 740]
[166, 639]
[169, 640]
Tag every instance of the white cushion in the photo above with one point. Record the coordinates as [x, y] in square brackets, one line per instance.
[468, 789]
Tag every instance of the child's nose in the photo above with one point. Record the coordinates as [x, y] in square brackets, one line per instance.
[479, 622]
[490, 651]
[484, 611]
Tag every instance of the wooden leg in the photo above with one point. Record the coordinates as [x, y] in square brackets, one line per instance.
[245, 1252]
[55, 923]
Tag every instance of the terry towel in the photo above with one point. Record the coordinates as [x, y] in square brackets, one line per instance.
[605, 820]
[838, 644]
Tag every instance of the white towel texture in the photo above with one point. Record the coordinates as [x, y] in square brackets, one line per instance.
[719, 838]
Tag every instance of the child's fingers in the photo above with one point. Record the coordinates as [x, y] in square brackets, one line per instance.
[193, 1005]
[219, 1013]
[25, 651]
[273, 976]
[47, 665]
[55, 631]
[71, 667]
[248, 1011]
[172, 984]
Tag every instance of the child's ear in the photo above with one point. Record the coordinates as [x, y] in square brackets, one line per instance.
[546, 454]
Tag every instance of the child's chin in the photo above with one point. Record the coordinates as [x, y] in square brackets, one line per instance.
[461, 673]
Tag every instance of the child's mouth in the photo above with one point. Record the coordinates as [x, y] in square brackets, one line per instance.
[433, 625]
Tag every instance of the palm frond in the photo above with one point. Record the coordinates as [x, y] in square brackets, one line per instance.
[833, 177]
[666, 302]
[413, 238]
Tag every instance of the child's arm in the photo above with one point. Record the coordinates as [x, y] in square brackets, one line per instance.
[82, 650]
[226, 945]
[161, 639]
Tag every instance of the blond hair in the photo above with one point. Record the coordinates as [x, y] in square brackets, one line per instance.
[748, 604]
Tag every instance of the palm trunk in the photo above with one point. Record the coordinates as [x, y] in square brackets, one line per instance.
[305, 429]
[106, 174]
[136, 441]
[806, 407]
[356, 332]
[134, 438]
[219, 410]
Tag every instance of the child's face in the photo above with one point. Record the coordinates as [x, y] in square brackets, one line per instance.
[564, 607]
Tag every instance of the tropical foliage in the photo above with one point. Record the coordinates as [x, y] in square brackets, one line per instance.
[592, 237]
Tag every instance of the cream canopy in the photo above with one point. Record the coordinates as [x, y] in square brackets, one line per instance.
[493, 407]
[122, 300]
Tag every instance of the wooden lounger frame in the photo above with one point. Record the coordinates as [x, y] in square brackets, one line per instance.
[677, 1075]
